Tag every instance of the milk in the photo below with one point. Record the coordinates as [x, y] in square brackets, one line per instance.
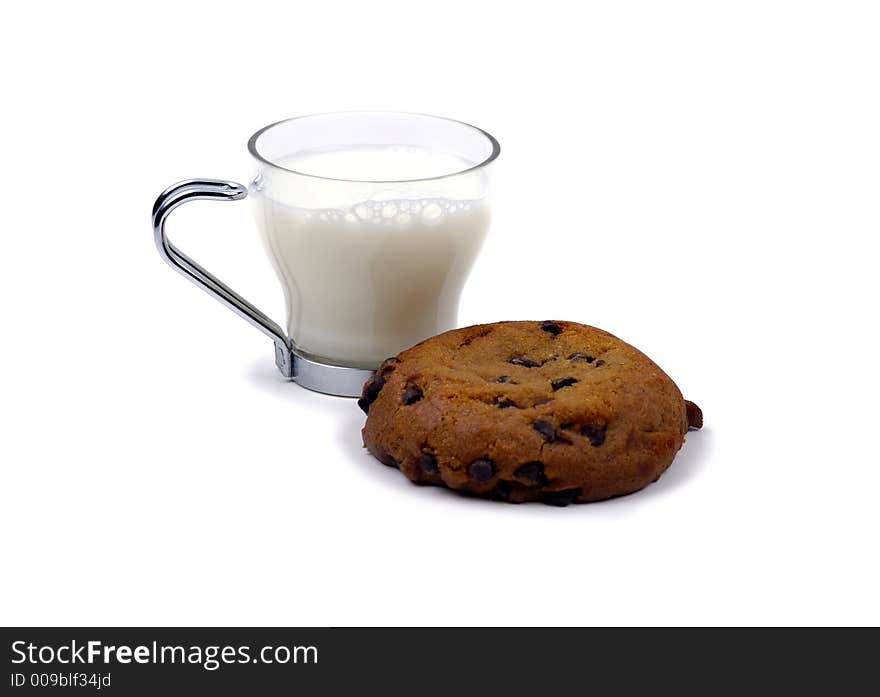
[369, 269]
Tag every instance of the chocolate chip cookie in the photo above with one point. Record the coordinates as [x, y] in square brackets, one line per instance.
[521, 411]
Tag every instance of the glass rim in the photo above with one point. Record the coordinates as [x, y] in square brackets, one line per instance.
[493, 155]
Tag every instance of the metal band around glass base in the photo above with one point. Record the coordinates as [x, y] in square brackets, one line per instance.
[330, 379]
[320, 377]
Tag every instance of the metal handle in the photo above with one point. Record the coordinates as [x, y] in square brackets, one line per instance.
[215, 190]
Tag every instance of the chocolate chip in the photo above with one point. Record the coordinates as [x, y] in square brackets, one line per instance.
[428, 463]
[580, 356]
[505, 403]
[524, 362]
[551, 327]
[387, 458]
[532, 472]
[481, 470]
[502, 490]
[503, 378]
[595, 433]
[694, 415]
[388, 366]
[599, 362]
[562, 382]
[561, 498]
[372, 388]
[412, 394]
[545, 428]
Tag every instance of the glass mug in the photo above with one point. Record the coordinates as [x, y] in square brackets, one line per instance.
[372, 221]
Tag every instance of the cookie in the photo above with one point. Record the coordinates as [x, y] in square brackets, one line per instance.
[526, 411]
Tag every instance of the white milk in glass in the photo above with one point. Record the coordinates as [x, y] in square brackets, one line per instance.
[370, 276]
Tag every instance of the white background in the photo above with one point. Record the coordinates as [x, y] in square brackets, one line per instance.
[700, 179]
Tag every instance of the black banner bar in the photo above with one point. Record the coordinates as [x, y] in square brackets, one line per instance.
[169, 661]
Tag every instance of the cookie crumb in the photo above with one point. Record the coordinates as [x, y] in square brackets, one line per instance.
[694, 416]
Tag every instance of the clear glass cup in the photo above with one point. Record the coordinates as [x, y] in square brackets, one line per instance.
[372, 221]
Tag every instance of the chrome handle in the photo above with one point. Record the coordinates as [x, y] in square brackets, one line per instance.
[215, 190]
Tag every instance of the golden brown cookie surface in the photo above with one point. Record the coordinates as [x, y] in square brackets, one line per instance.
[553, 411]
